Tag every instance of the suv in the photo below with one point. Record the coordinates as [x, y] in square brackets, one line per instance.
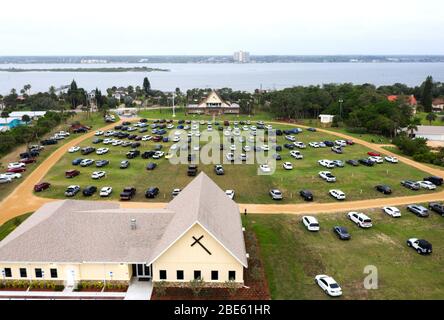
[307, 195]
[192, 170]
[360, 219]
[89, 191]
[128, 193]
[437, 181]
[437, 207]
[151, 192]
[420, 245]
[71, 191]
[87, 150]
[41, 186]
[412, 185]
[420, 211]
[311, 223]
[132, 154]
[72, 173]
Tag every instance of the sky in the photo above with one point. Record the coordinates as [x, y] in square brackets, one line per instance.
[208, 27]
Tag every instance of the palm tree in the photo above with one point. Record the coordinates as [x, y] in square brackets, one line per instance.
[413, 126]
[431, 117]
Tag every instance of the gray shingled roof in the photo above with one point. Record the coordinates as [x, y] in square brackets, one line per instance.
[85, 231]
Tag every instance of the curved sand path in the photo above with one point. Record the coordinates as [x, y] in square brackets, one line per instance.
[22, 200]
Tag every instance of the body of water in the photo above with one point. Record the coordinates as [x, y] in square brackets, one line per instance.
[237, 76]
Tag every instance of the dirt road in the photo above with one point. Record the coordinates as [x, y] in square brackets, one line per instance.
[22, 200]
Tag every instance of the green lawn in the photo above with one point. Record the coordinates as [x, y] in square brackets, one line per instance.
[10, 225]
[95, 120]
[293, 256]
[356, 182]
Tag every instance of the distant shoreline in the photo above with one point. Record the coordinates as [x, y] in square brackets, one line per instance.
[112, 69]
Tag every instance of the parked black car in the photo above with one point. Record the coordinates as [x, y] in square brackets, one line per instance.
[151, 166]
[128, 193]
[277, 156]
[437, 207]
[412, 185]
[342, 233]
[77, 161]
[277, 148]
[132, 154]
[135, 145]
[279, 132]
[97, 141]
[152, 192]
[289, 146]
[307, 195]
[49, 142]
[192, 170]
[437, 181]
[383, 189]
[353, 163]
[148, 154]
[329, 143]
[366, 162]
[89, 191]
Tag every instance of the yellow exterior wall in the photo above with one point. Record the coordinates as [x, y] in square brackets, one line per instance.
[181, 256]
[82, 271]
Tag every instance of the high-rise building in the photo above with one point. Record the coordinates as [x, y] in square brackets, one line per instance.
[241, 57]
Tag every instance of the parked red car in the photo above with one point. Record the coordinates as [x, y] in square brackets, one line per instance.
[350, 142]
[41, 186]
[157, 138]
[16, 170]
[72, 173]
[28, 160]
[374, 154]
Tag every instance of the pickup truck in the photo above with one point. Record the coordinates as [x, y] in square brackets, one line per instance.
[128, 193]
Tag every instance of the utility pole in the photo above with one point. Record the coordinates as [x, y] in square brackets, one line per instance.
[340, 106]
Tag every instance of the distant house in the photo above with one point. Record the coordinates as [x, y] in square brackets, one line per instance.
[431, 133]
[410, 100]
[438, 104]
[326, 118]
[213, 105]
[9, 123]
[198, 235]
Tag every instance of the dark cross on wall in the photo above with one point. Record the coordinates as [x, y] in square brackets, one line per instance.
[198, 242]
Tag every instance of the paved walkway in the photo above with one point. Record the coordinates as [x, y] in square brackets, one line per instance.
[22, 200]
[44, 295]
[139, 290]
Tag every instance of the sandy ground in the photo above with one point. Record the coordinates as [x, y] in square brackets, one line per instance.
[22, 200]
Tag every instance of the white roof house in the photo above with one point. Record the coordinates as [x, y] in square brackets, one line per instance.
[199, 231]
[31, 114]
[326, 118]
[432, 133]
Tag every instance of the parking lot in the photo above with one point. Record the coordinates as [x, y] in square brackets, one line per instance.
[357, 183]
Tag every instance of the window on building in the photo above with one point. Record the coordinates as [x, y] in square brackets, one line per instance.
[232, 275]
[197, 275]
[179, 275]
[54, 273]
[8, 272]
[214, 275]
[38, 273]
[23, 273]
[162, 274]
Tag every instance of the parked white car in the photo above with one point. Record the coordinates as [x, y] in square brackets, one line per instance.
[16, 165]
[117, 143]
[337, 194]
[11, 175]
[329, 285]
[147, 138]
[300, 145]
[392, 212]
[327, 163]
[106, 191]
[427, 185]
[276, 194]
[107, 141]
[86, 162]
[265, 168]
[311, 223]
[314, 144]
[376, 159]
[102, 151]
[290, 138]
[99, 133]
[391, 159]
[73, 149]
[265, 147]
[327, 176]
[230, 156]
[360, 219]
[158, 154]
[4, 179]
[341, 143]
[230, 194]
[287, 166]
[98, 175]
[296, 154]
